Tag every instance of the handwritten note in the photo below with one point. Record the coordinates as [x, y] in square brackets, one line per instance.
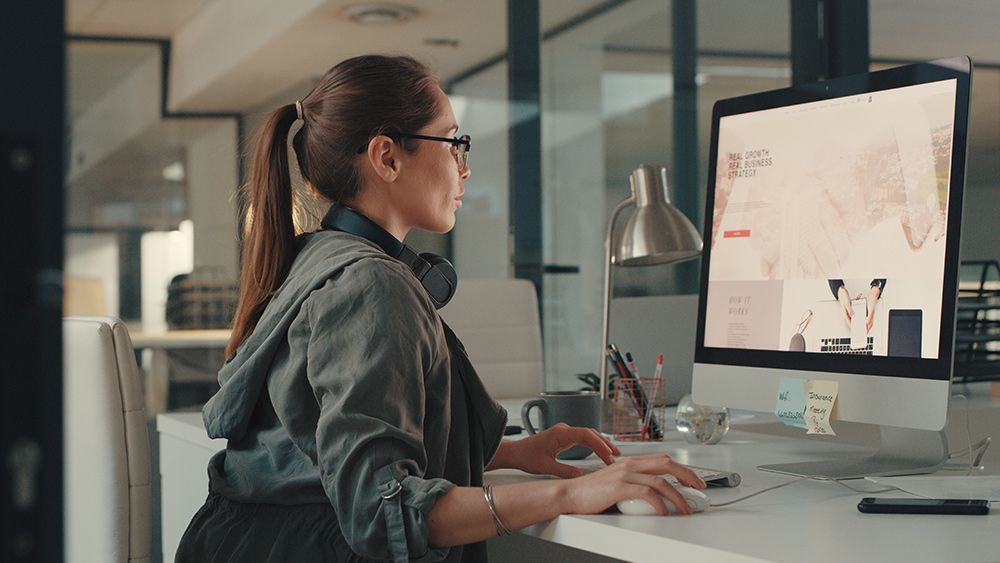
[820, 397]
[791, 405]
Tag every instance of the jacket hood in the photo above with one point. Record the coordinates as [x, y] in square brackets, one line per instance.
[322, 255]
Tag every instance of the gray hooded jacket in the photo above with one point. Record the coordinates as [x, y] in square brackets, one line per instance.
[352, 391]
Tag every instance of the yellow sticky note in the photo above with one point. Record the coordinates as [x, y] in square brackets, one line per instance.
[820, 397]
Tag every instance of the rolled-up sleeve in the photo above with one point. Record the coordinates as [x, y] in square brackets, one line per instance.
[374, 340]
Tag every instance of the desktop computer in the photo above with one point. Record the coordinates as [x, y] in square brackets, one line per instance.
[832, 226]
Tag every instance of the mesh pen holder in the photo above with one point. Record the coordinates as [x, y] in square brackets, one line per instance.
[638, 405]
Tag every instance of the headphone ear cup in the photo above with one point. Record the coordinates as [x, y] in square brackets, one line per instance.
[441, 281]
[435, 273]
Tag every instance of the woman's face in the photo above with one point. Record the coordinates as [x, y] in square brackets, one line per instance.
[431, 185]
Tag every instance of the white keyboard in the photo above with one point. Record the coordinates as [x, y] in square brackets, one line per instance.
[715, 477]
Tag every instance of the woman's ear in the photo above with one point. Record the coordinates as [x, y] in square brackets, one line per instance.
[383, 155]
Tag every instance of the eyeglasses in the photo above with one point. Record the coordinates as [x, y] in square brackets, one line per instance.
[460, 146]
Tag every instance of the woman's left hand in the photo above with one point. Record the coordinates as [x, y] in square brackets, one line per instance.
[537, 454]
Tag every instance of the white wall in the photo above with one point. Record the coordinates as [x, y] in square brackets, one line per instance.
[95, 255]
[212, 184]
[164, 255]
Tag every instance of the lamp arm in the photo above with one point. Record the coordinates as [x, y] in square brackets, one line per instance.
[607, 294]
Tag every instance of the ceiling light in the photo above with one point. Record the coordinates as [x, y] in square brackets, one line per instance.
[174, 172]
[379, 13]
[441, 42]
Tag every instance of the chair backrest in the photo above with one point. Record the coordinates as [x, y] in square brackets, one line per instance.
[107, 475]
[497, 321]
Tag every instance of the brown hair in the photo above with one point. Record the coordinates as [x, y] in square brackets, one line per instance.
[356, 100]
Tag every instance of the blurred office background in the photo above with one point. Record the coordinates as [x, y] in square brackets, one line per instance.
[163, 99]
[563, 99]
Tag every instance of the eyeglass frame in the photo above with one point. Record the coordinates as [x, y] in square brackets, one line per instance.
[461, 154]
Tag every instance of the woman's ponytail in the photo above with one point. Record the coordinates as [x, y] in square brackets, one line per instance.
[269, 234]
[354, 101]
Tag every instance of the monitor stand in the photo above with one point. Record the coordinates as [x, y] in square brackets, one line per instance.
[904, 451]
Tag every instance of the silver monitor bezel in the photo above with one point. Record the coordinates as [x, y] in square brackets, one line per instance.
[871, 388]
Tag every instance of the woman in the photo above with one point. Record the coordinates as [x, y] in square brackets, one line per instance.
[357, 430]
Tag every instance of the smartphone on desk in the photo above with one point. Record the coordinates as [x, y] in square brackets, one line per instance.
[872, 505]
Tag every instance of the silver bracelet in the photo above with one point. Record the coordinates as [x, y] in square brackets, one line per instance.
[488, 494]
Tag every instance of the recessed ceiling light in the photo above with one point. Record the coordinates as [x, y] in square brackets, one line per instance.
[379, 13]
[441, 42]
[174, 172]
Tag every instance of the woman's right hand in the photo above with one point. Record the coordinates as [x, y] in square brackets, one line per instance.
[845, 303]
[637, 477]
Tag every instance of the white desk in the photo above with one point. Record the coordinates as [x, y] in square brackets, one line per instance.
[806, 521]
[184, 453]
[156, 382]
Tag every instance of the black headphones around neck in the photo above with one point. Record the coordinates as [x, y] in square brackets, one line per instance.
[434, 272]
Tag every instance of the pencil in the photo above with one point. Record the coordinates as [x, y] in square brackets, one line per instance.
[656, 386]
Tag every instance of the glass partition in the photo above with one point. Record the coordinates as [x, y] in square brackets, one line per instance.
[148, 197]
[608, 106]
[152, 195]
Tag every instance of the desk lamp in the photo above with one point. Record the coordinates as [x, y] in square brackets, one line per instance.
[657, 233]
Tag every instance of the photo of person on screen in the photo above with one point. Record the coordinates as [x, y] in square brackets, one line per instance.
[844, 295]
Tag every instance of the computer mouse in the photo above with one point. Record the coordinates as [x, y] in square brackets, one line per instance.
[697, 500]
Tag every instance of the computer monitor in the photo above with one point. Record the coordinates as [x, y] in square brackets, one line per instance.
[832, 224]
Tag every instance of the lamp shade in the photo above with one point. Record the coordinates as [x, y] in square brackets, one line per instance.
[657, 233]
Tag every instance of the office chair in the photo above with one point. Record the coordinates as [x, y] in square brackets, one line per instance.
[106, 455]
[497, 321]
[202, 299]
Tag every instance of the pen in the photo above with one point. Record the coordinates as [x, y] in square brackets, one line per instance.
[656, 384]
[623, 367]
[631, 364]
[619, 364]
[638, 395]
[615, 357]
[614, 362]
[648, 419]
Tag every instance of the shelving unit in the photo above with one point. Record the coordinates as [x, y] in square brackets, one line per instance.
[977, 333]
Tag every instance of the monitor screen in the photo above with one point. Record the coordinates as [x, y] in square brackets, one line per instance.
[829, 216]
[832, 226]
